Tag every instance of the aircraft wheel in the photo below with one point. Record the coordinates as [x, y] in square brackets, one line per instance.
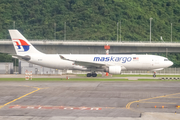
[94, 74]
[88, 75]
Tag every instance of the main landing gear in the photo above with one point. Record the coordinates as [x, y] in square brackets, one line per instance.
[93, 74]
[154, 75]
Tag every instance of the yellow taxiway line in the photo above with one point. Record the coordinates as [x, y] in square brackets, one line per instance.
[164, 96]
[37, 89]
[172, 97]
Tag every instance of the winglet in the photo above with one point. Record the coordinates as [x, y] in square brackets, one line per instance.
[62, 57]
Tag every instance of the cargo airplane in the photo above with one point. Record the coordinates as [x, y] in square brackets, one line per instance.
[112, 64]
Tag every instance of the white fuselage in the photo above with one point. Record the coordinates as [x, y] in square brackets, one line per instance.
[127, 62]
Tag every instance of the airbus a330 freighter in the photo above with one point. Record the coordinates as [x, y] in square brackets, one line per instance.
[112, 64]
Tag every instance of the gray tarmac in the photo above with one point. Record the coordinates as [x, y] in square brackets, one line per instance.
[117, 100]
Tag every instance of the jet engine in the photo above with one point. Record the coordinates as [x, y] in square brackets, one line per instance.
[113, 69]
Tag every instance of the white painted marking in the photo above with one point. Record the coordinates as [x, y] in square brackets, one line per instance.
[30, 107]
[16, 107]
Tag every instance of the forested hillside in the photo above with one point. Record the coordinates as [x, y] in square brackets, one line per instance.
[92, 20]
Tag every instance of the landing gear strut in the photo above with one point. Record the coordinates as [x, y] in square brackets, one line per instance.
[93, 74]
[154, 75]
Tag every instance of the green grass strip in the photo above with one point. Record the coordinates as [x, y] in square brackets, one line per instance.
[79, 79]
[62, 79]
[99, 75]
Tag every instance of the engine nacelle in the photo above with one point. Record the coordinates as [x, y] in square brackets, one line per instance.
[114, 69]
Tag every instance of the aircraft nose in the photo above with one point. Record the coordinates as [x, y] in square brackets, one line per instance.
[171, 63]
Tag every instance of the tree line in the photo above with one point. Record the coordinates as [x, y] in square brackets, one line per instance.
[92, 20]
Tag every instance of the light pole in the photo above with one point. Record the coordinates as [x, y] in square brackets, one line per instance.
[120, 31]
[117, 31]
[13, 24]
[64, 30]
[171, 32]
[15, 58]
[150, 29]
[54, 31]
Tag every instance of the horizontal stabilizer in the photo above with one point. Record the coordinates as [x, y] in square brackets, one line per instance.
[26, 57]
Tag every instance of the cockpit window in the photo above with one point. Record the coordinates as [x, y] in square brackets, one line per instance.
[166, 60]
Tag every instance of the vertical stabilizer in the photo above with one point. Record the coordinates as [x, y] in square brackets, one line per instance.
[21, 44]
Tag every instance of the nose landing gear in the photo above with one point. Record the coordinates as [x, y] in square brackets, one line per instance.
[93, 74]
[154, 75]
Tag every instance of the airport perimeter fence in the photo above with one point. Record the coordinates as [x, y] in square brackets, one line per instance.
[6, 68]
[49, 71]
[174, 71]
[166, 71]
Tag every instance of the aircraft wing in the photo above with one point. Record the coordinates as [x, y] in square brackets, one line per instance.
[84, 63]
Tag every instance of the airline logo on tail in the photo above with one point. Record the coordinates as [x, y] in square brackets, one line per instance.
[22, 45]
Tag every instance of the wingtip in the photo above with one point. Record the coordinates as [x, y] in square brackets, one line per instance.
[62, 57]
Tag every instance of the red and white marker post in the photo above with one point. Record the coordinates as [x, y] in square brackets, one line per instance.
[107, 48]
